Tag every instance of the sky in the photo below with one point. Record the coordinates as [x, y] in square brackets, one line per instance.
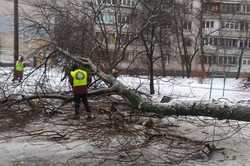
[5, 24]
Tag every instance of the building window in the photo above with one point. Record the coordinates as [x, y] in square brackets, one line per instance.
[248, 62]
[205, 41]
[208, 24]
[133, 3]
[241, 44]
[123, 19]
[220, 60]
[128, 2]
[244, 62]
[225, 60]
[187, 25]
[228, 25]
[215, 41]
[107, 18]
[230, 8]
[188, 41]
[243, 26]
[211, 7]
[210, 41]
[248, 8]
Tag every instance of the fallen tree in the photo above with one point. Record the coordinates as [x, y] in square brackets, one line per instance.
[195, 108]
[178, 108]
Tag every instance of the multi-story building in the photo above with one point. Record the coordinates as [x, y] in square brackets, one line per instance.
[227, 34]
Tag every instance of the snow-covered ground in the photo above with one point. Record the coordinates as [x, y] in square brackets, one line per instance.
[192, 88]
[236, 148]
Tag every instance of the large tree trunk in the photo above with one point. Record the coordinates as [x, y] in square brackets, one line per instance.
[239, 63]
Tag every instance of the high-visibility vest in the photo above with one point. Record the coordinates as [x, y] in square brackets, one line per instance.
[19, 66]
[80, 77]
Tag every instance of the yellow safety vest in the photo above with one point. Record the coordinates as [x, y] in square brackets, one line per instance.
[19, 66]
[80, 77]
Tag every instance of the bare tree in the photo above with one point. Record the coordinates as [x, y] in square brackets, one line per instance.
[187, 34]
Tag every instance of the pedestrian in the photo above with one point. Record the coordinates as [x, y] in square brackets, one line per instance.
[79, 79]
[19, 68]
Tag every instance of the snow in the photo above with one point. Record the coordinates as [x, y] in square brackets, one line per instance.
[17, 150]
[236, 148]
[191, 89]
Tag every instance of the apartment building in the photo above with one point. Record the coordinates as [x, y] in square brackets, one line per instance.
[227, 35]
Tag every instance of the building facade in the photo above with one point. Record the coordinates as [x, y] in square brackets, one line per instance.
[226, 35]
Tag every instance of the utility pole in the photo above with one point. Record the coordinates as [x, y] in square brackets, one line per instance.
[16, 34]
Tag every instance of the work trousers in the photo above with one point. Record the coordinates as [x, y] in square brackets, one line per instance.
[77, 100]
[18, 75]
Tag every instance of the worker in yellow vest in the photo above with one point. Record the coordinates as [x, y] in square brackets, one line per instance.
[19, 68]
[80, 79]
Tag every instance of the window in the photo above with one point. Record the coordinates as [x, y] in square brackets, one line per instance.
[230, 8]
[133, 3]
[208, 24]
[124, 2]
[215, 41]
[241, 44]
[228, 25]
[225, 60]
[244, 26]
[230, 60]
[222, 42]
[203, 24]
[205, 41]
[232, 25]
[235, 42]
[236, 26]
[248, 62]
[211, 41]
[214, 60]
[234, 60]
[107, 18]
[211, 7]
[220, 60]
[187, 25]
[211, 24]
[188, 41]
[248, 8]
[123, 19]
[128, 2]
[244, 62]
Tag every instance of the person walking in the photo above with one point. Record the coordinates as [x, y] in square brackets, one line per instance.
[80, 79]
[19, 69]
